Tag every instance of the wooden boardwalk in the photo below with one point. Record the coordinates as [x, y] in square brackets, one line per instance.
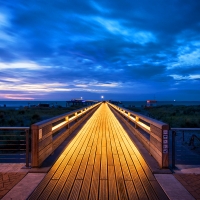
[101, 162]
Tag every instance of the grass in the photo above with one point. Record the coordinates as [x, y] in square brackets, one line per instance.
[175, 116]
[29, 116]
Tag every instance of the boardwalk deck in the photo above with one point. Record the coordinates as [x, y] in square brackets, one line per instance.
[101, 162]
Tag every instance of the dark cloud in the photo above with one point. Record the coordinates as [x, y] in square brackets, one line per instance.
[101, 46]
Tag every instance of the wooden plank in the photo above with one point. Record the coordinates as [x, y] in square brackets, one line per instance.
[48, 189]
[70, 180]
[86, 183]
[75, 190]
[96, 172]
[46, 152]
[95, 177]
[104, 169]
[82, 168]
[60, 184]
[112, 187]
[103, 142]
[138, 185]
[92, 155]
[114, 149]
[62, 167]
[103, 191]
[60, 140]
[43, 143]
[126, 173]
[121, 189]
[154, 142]
[132, 194]
[109, 154]
[81, 172]
[94, 189]
[98, 145]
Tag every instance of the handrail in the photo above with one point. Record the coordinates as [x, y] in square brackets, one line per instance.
[57, 118]
[186, 129]
[139, 116]
[26, 129]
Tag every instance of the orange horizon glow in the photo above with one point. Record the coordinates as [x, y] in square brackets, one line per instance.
[18, 97]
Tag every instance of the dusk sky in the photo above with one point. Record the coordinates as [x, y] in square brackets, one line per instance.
[121, 49]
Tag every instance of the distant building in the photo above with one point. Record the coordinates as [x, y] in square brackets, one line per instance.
[80, 102]
[115, 102]
[43, 105]
[151, 103]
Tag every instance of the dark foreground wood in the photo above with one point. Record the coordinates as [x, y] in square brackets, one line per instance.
[101, 162]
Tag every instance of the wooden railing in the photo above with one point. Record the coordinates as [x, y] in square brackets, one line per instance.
[153, 134]
[49, 134]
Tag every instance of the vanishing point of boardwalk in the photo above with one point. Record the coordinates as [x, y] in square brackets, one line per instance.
[101, 162]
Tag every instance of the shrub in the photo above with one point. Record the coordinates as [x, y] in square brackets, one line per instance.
[35, 116]
[21, 112]
[11, 122]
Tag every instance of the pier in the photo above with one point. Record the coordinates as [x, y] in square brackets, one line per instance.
[101, 162]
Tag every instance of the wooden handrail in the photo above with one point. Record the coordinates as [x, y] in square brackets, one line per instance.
[140, 116]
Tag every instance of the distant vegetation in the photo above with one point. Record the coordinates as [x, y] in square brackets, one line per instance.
[29, 116]
[175, 116]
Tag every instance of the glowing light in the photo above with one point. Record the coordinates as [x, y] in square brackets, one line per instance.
[59, 125]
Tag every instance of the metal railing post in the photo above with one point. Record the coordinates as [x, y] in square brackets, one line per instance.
[27, 148]
[173, 148]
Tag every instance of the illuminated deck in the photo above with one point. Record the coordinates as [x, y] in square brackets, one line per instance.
[101, 162]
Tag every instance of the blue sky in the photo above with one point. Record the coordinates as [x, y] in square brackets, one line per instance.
[121, 49]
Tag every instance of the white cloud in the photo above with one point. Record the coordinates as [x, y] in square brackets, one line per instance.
[99, 8]
[188, 55]
[189, 77]
[114, 84]
[4, 37]
[27, 65]
[130, 35]
[4, 20]
[34, 87]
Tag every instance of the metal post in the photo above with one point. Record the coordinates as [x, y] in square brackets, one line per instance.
[173, 148]
[27, 148]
